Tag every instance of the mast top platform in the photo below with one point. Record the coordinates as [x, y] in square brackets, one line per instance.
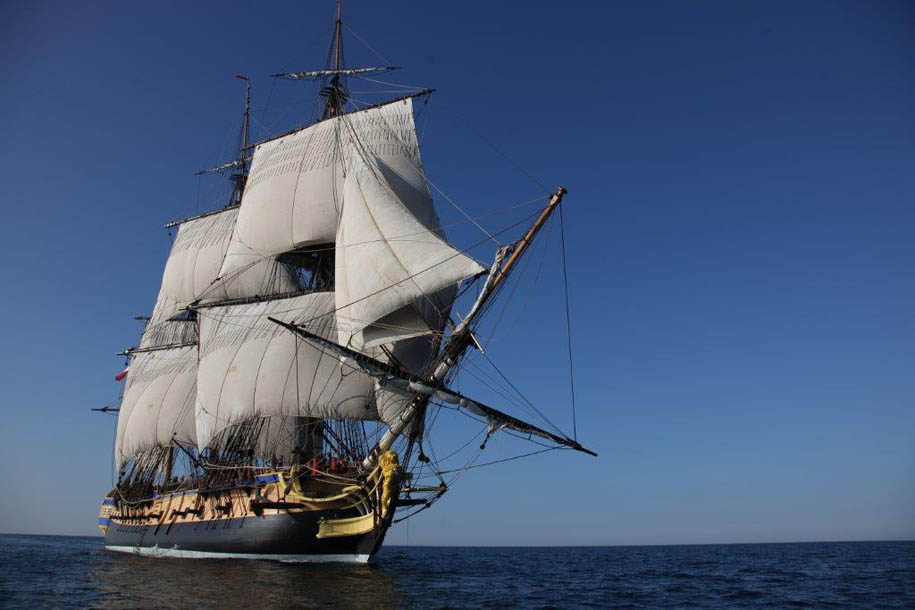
[337, 72]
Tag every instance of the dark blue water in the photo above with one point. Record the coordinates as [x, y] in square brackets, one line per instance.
[54, 571]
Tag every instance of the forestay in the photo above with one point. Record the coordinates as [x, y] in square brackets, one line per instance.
[158, 403]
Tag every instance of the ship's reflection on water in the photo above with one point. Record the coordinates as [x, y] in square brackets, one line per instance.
[124, 580]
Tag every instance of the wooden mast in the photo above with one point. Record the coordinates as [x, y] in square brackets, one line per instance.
[335, 92]
[169, 465]
[555, 200]
[240, 177]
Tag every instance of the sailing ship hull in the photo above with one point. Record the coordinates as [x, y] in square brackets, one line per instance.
[285, 516]
[287, 536]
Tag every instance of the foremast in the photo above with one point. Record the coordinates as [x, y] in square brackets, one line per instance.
[242, 163]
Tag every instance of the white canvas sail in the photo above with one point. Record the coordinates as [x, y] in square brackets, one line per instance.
[395, 278]
[250, 366]
[194, 264]
[290, 196]
[158, 403]
[415, 355]
[294, 192]
[356, 180]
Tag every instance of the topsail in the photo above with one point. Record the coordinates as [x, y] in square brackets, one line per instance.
[194, 265]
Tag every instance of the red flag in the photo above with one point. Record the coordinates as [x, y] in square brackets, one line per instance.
[241, 77]
[120, 376]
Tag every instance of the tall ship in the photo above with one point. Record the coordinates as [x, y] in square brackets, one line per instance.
[277, 403]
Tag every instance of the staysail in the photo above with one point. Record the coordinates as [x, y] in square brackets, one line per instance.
[158, 403]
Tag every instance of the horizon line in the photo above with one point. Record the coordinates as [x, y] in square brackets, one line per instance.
[556, 546]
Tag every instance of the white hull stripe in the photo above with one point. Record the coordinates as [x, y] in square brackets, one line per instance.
[156, 551]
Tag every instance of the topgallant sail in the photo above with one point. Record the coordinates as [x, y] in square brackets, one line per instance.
[319, 298]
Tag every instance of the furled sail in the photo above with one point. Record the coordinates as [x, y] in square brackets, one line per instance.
[250, 366]
[169, 333]
[158, 403]
[195, 262]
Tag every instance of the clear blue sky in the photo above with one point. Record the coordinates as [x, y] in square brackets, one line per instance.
[740, 228]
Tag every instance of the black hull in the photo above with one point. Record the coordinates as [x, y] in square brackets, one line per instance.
[287, 536]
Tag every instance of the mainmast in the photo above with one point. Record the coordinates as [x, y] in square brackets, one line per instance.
[333, 85]
[335, 92]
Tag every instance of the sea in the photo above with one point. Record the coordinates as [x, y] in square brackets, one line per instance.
[61, 571]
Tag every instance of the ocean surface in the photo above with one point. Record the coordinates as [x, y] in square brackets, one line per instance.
[58, 571]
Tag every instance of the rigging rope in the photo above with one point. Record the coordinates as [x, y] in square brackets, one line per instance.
[498, 150]
[543, 246]
[367, 45]
[509, 459]
[518, 392]
[565, 285]
[383, 125]
[458, 253]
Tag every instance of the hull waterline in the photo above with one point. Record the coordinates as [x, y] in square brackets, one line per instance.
[282, 537]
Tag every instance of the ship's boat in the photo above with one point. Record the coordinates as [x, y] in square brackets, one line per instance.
[276, 403]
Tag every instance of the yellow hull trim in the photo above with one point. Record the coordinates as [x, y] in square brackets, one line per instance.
[353, 526]
[346, 527]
